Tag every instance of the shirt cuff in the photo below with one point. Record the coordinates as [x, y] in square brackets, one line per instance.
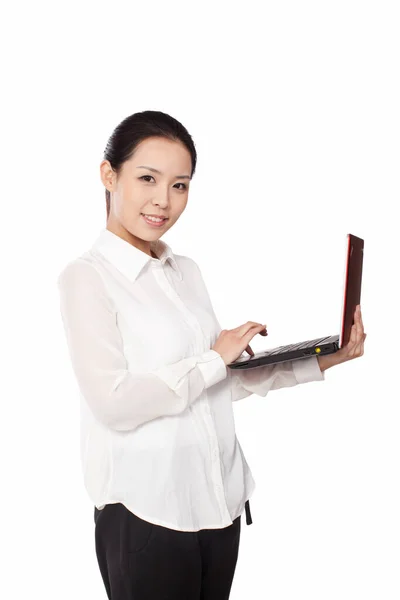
[307, 369]
[212, 367]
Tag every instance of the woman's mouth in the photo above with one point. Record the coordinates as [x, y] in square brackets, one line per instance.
[153, 222]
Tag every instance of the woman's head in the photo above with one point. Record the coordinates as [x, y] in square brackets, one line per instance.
[142, 140]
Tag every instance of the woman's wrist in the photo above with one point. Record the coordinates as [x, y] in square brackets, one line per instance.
[325, 362]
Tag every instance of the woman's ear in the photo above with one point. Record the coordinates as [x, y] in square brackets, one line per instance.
[107, 175]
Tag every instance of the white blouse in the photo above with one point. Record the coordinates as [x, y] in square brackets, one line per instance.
[157, 422]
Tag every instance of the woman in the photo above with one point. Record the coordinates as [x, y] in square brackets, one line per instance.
[161, 460]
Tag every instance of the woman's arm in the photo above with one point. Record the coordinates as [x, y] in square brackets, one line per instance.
[270, 377]
[120, 399]
[261, 380]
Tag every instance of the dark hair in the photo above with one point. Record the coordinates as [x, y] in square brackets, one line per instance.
[136, 128]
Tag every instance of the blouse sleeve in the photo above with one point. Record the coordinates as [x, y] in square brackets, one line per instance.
[119, 398]
[261, 380]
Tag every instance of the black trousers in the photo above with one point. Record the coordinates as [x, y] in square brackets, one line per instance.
[139, 560]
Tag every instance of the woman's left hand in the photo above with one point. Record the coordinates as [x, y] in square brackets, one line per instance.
[353, 349]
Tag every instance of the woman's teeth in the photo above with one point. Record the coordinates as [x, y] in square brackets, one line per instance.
[156, 219]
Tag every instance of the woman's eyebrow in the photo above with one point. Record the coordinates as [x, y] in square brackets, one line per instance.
[157, 171]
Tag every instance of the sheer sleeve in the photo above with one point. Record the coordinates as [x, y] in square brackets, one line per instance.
[272, 377]
[120, 399]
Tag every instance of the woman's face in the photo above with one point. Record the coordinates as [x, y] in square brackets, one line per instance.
[138, 190]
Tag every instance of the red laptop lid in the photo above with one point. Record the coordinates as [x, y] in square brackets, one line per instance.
[352, 285]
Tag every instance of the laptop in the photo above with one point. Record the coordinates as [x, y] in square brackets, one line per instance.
[324, 345]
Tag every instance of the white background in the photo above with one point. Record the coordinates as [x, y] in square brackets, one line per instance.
[294, 110]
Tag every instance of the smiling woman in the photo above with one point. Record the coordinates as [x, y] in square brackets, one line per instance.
[157, 431]
[162, 463]
[148, 163]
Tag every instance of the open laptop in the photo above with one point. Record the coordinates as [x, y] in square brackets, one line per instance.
[325, 345]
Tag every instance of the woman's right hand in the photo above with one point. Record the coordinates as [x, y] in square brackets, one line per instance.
[232, 342]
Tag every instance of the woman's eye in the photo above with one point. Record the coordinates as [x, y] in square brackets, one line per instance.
[151, 177]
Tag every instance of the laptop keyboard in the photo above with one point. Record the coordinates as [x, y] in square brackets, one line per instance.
[291, 347]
